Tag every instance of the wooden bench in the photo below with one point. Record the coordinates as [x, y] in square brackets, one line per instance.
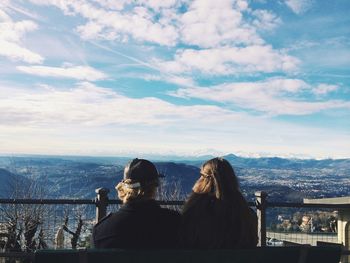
[298, 254]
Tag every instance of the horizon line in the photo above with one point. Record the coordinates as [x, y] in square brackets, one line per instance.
[164, 156]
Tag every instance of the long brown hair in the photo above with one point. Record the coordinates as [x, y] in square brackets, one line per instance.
[216, 215]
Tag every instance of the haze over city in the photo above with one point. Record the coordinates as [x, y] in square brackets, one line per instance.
[100, 77]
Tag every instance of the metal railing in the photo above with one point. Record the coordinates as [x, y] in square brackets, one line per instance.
[101, 203]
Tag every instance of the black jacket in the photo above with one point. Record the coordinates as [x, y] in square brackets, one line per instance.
[138, 225]
[209, 223]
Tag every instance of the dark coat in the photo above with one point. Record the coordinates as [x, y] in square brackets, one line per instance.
[138, 225]
[209, 223]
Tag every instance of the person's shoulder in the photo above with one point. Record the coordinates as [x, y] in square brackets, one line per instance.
[104, 220]
[252, 213]
[112, 223]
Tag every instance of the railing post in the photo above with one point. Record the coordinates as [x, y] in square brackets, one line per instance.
[261, 213]
[343, 229]
[101, 203]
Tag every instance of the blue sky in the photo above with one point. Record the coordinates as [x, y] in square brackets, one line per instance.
[104, 77]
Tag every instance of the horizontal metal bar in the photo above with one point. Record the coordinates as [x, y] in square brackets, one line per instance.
[302, 205]
[73, 201]
[174, 202]
[161, 202]
[49, 201]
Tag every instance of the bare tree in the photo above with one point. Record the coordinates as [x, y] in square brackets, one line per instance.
[78, 227]
[22, 222]
[170, 192]
[75, 234]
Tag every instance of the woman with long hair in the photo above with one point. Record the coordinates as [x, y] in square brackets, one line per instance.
[216, 215]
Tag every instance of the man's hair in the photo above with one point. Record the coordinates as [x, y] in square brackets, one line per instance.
[140, 182]
[126, 193]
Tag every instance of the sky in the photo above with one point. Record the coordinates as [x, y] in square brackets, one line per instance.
[175, 77]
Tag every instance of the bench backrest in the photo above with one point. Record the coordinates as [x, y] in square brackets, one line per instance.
[258, 255]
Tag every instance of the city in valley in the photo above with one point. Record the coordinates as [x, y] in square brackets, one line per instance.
[284, 180]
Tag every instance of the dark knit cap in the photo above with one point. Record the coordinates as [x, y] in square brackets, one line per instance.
[142, 171]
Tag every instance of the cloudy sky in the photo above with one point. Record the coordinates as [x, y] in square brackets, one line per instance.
[127, 77]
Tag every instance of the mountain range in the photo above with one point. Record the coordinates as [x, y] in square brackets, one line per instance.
[78, 177]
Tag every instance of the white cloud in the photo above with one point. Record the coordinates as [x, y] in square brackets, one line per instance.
[23, 11]
[15, 52]
[215, 23]
[324, 89]
[215, 37]
[273, 96]
[266, 20]
[112, 4]
[181, 81]
[121, 4]
[228, 41]
[205, 23]
[158, 5]
[137, 22]
[89, 119]
[11, 34]
[74, 72]
[299, 6]
[92, 30]
[90, 105]
[13, 31]
[231, 60]
[4, 17]
[177, 80]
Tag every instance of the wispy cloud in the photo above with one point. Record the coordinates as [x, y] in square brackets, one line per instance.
[231, 60]
[87, 104]
[130, 57]
[164, 73]
[299, 6]
[211, 24]
[266, 20]
[239, 68]
[323, 89]
[73, 72]
[16, 52]
[11, 34]
[52, 120]
[226, 39]
[177, 80]
[273, 96]
[204, 23]
[112, 24]
[23, 11]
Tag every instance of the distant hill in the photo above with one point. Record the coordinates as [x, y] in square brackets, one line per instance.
[282, 163]
[183, 174]
[84, 184]
[78, 177]
[79, 180]
[236, 161]
[12, 184]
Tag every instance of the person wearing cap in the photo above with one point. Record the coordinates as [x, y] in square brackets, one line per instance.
[140, 223]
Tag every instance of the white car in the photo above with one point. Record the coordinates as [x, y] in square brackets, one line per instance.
[273, 242]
